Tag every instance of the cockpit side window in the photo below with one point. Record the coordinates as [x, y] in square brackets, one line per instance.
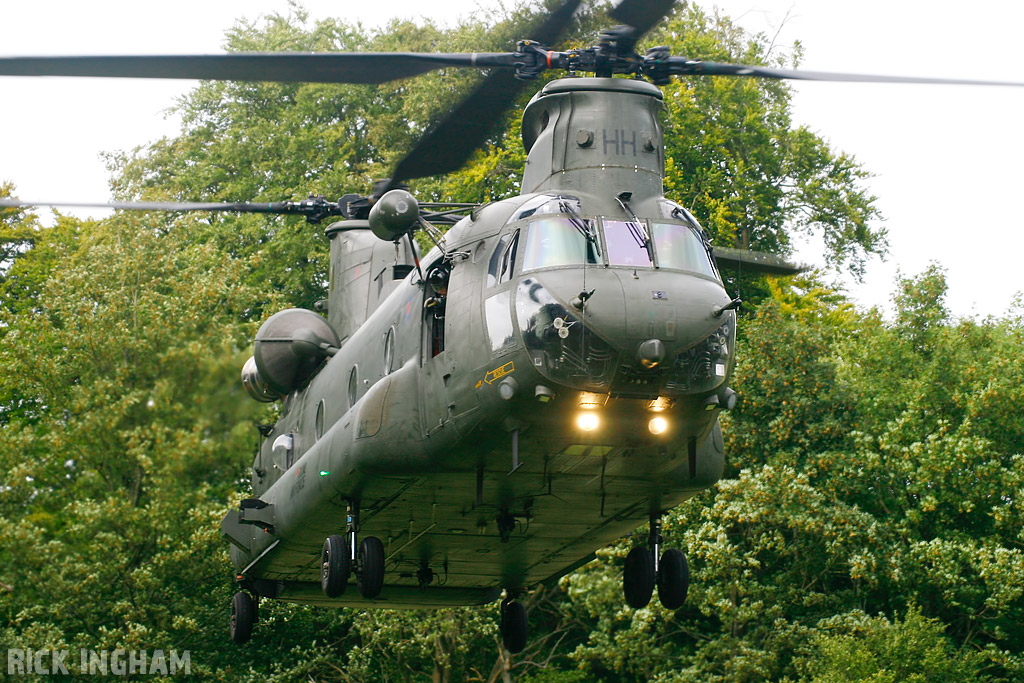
[503, 259]
[558, 241]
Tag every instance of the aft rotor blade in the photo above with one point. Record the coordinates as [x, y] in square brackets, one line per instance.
[681, 66]
[642, 15]
[454, 139]
[314, 209]
[243, 207]
[282, 67]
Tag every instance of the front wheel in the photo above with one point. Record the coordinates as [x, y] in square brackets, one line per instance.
[334, 566]
[638, 577]
[370, 579]
[673, 578]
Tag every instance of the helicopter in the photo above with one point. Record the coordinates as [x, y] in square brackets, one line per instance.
[470, 423]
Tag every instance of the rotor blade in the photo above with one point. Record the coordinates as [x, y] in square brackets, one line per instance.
[239, 207]
[454, 139]
[283, 67]
[642, 15]
[683, 67]
[139, 206]
[749, 261]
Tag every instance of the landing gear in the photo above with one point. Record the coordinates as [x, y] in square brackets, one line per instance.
[514, 625]
[370, 567]
[334, 566]
[673, 578]
[639, 577]
[643, 571]
[343, 555]
[243, 616]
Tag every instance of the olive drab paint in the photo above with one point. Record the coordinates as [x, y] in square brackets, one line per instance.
[457, 431]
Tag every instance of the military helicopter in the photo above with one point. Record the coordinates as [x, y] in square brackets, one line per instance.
[470, 423]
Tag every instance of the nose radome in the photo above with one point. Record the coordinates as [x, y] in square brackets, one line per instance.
[650, 353]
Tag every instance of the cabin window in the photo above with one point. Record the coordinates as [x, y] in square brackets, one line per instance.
[624, 241]
[679, 247]
[497, 312]
[353, 385]
[389, 350]
[559, 241]
[318, 423]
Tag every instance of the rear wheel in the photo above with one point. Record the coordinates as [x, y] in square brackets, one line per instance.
[638, 577]
[370, 578]
[673, 578]
[334, 566]
[243, 616]
[514, 626]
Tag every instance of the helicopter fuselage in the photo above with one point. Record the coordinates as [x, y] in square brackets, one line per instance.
[542, 386]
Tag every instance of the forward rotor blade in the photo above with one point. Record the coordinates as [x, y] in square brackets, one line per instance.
[642, 15]
[749, 261]
[681, 66]
[282, 67]
[454, 139]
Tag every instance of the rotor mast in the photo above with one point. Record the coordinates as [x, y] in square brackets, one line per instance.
[599, 136]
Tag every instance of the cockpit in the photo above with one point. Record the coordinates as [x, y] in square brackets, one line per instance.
[552, 233]
[584, 291]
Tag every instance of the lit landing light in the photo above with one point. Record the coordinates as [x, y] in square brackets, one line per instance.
[659, 404]
[657, 425]
[588, 421]
[592, 401]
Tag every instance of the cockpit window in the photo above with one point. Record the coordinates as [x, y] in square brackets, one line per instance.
[625, 243]
[558, 241]
[547, 203]
[503, 259]
[679, 247]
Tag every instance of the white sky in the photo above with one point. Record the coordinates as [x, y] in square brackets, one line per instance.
[947, 159]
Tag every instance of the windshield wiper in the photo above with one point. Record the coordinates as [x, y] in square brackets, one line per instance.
[636, 227]
[578, 222]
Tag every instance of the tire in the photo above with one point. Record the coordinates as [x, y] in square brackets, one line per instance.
[370, 578]
[514, 626]
[243, 616]
[334, 566]
[638, 577]
[673, 578]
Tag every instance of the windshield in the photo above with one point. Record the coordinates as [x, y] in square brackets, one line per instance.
[558, 241]
[625, 243]
[679, 247]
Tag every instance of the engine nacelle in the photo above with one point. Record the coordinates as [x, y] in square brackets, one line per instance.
[289, 348]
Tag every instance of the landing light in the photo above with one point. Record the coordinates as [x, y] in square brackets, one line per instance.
[592, 401]
[659, 404]
[657, 425]
[588, 421]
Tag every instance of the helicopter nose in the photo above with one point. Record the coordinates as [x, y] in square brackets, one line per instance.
[650, 353]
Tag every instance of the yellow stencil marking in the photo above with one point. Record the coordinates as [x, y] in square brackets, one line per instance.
[494, 375]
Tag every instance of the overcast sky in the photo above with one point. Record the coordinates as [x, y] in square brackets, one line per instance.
[947, 159]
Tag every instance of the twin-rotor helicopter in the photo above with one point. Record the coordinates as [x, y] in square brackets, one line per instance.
[468, 424]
